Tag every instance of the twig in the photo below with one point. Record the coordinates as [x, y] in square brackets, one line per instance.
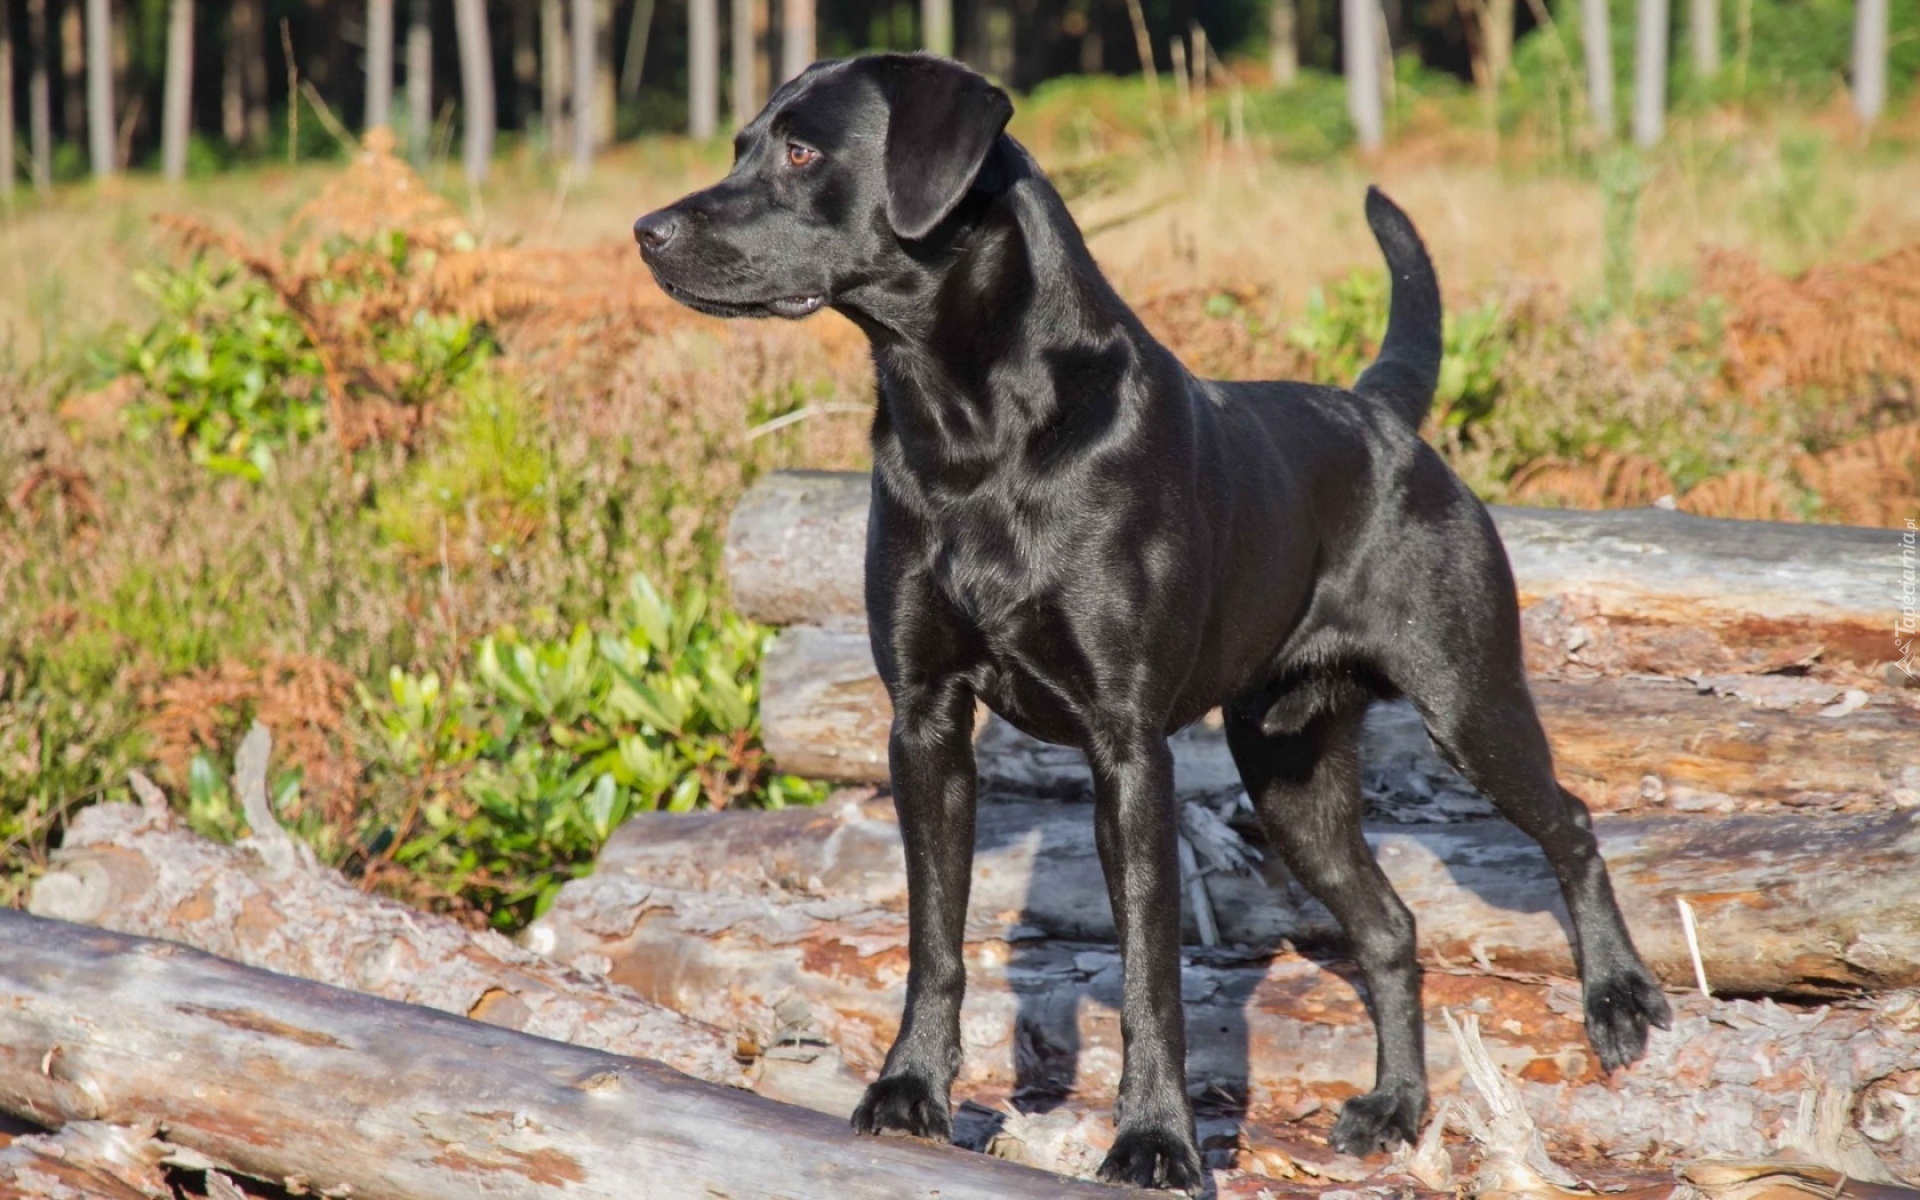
[324, 111]
[1693, 945]
[1197, 894]
[800, 414]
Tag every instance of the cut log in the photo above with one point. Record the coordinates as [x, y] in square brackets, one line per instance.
[1276, 1029]
[1724, 742]
[1784, 905]
[1636, 589]
[330, 1090]
[134, 870]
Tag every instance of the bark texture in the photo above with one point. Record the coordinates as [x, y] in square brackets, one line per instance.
[285, 1079]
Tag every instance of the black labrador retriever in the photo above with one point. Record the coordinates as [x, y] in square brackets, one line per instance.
[1070, 527]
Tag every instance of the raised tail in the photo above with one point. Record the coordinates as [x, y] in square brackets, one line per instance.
[1407, 369]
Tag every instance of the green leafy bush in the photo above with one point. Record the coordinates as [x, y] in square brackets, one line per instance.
[546, 746]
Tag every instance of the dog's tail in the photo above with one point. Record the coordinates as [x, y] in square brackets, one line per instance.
[1408, 367]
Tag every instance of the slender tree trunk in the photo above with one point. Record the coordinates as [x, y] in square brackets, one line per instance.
[39, 97]
[476, 87]
[703, 68]
[379, 63]
[420, 80]
[1359, 27]
[936, 26]
[1703, 37]
[244, 89]
[746, 100]
[1596, 34]
[73, 72]
[633, 66]
[7, 165]
[554, 55]
[1650, 72]
[797, 48]
[526, 61]
[1869, 59]
[584, 64]
[100, 87]
[606, 84]
[1283, 42]
[176, 114]
[1496, 39]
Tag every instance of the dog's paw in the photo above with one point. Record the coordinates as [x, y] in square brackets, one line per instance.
[1379, 1120]
[1620, 1008]
[904, 1104]
[1154, 1157]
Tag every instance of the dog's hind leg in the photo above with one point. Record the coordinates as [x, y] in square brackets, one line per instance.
[1306, 788]
[1136, 832]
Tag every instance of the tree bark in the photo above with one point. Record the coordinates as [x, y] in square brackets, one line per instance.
[586, 65]
[7, 164]
[379, 63]
[936, 26]
[1869, 59]
[797, 50]
[1283, 42]
[285, 1079]
[633, 64]
[243, 111]
[86, 1160]
[1649, 72]
[420, 80]
[176, 120]
[1596, 36]
[39, 98]
[1703, 38]
[476, 86]
[742, 28]
[703, 68]
[100, 112]
[606, 84]
[1278, 1028]
[1496, 39]
[555, 55]
[1360, 58]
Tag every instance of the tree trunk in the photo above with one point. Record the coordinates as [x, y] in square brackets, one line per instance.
[797, 48]
[1282, 1029]
[1283, 42]
[379, 63]
[39, 97]
[703, 68]
[606, 100]
[936, 26]
[73, 72]
[285, 1079]
[634, 64]
[1361, 60]
[745, 56]
[176, 119]
[585, 66]
[555, 56]
[420, 80]
[1596, 36]
[100, 112]
[525, 16]
[476, 87]
[244, 87]
[1496, 39]
[1649, 72]
[1869, 59]
[7, 163]
[1703, 38]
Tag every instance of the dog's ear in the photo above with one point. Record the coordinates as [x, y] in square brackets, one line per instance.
[942, 121]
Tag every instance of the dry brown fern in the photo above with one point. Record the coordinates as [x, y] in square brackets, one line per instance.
[1872, 481]
[1747, 495]
[1606, 479]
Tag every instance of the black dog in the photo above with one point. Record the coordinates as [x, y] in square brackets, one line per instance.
[1069, 526]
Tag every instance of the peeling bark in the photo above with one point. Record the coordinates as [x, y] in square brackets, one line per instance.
[87, 1160]
[326, 1089]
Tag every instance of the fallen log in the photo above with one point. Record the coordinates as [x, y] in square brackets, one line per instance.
[339, 1093]
[1784, 905]
[1620, 743]
[1629, 590]
[86, 1160]
[1282, 1033]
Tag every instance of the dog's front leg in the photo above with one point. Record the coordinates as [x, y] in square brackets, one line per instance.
[1136, 830]
[930, 754]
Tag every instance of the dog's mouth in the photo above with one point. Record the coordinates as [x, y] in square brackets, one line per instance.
[791, 307]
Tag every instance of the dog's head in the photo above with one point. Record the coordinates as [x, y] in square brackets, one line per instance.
[849, 169]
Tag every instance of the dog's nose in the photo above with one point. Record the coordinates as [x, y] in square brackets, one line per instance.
[655, 230]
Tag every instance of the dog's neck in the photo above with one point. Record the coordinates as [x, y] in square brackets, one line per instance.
[999, 340]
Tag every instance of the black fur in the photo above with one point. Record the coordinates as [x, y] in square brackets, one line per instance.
[1069, 526]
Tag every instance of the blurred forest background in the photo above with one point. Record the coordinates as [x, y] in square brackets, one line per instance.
[333, 395]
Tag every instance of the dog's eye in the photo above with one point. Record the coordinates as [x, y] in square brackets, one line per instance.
[801, 156]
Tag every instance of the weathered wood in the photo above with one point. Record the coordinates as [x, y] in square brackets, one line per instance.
[1279, 1029]
[136, 871]
[1648, 589]
[86, 1160]
[1724, 742]
[287, 1079]
[1784, 904]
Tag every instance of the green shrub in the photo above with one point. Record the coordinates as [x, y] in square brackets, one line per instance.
[551, 744]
